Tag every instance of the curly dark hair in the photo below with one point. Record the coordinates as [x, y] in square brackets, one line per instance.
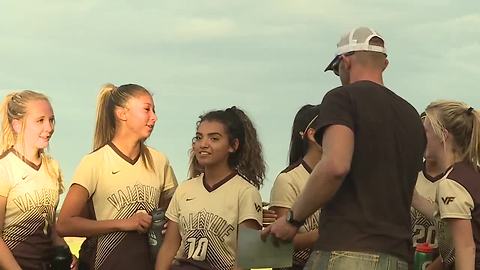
[248, 159]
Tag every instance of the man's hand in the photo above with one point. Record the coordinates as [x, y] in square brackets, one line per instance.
[280, 229]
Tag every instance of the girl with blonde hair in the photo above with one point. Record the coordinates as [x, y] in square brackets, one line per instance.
[118, 184]
[453, 139]
[30, 183]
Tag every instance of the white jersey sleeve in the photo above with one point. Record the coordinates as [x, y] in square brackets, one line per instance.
[453, 200]
[250, 205]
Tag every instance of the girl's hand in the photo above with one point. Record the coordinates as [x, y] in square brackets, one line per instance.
[269, 217]
[139, 222]
[74, 264]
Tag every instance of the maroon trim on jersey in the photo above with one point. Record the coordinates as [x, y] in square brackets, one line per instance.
[217, 185]
[433, 178]
[131, 253]
[305, 165]
[469, 178]
[292, 166]
[122, 155]
[296, 164]
[4, 154]
[36, 251]
[24, 159]
[89, 246]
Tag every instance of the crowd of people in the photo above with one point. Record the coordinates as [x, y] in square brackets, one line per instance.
[368, 180]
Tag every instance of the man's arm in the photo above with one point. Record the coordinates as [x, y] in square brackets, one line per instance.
[327, 176]
[325, 180]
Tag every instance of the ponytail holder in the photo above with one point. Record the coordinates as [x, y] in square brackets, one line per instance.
[470, 110]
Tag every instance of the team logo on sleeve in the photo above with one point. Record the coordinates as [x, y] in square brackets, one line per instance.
[258, 207]
[447, 200]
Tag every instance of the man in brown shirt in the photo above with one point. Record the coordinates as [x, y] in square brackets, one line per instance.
[373, 143]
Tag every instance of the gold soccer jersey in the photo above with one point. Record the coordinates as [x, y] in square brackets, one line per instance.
[287, 187]
[32, 197]
[208, 218]
[424, 229]
[458, 197]
[118, 188]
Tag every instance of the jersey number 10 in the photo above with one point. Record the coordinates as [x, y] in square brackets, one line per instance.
[197, 248]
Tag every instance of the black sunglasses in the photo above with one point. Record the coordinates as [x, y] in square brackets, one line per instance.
[336, 64]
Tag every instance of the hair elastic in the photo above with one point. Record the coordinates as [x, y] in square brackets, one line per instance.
[308, 126]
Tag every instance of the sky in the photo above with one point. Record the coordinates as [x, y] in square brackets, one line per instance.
[266, 57]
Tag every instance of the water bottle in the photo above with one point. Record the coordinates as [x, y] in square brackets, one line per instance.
[155, 236]
[62, 258]
[423, 256]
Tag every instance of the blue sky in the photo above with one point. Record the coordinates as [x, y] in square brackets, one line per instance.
[266, 57]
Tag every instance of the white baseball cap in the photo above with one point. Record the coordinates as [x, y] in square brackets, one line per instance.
[357, 40]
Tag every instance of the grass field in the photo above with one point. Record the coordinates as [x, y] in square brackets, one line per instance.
[75, 242]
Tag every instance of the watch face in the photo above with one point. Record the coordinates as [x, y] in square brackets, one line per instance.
[290, 216]
[293, 221]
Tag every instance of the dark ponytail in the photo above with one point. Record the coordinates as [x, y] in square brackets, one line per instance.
[304, 119]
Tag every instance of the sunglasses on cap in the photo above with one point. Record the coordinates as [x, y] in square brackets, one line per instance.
[338, 60]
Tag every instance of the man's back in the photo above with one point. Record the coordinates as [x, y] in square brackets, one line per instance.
[370, 211]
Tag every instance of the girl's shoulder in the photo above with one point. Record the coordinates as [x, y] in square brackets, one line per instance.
[157, 155]
[241, 182]
[465, 175]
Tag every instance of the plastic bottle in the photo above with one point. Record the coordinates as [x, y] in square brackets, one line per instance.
[155, 236]
[62, 258]
[423, 256]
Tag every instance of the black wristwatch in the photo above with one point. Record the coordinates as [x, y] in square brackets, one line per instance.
[292, 221]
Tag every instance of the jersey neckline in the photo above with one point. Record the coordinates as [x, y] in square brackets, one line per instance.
[25, 160]
[122, 155]
[219, 184]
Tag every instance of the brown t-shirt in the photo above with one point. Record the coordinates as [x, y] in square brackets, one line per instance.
[371, 209]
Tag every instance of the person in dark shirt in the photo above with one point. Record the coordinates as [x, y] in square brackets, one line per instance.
[373, 143]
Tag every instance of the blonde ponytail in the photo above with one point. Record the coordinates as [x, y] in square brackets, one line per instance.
[473, 149]
[53, 170]
[462, 122]
[8, 136]
[105, 124]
